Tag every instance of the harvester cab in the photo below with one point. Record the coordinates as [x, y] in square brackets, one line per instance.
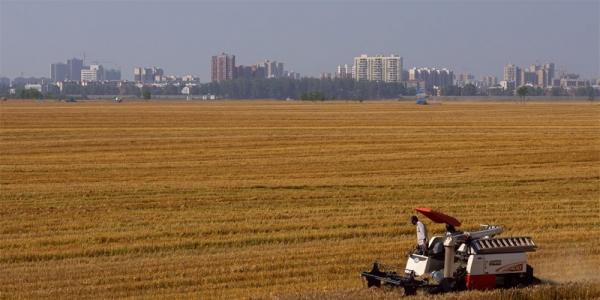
[459, 260]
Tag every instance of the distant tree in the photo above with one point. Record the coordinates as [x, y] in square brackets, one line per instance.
[522, 91]
[156, 90]
[171, 90]
[581, 91]
[195, 90]
[146, 94]
[509, 92]
[53, 91]
[449, 90]
[4, 88]
[556, 91]
[496, 92]
[131, 90]
[29, 94]
[304, 97]
[469, 90]
[411, 91]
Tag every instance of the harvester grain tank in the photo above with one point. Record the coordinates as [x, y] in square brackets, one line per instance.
[459, 260]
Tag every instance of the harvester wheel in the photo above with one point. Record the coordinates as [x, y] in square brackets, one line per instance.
[529, 278]
[410, 290]
[373, 283]
[511, 281]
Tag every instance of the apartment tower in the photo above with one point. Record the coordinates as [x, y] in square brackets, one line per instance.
[378, 68]
[222, 67]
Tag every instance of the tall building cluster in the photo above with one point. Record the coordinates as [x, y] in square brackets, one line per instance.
[74, 70]
[67, 71]
[536, 75]
[223, 67]
[539, 75]
[147, 74]
[369, 68]
[434, 78]
[489, 80]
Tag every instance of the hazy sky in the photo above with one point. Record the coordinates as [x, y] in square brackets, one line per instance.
[480, 37]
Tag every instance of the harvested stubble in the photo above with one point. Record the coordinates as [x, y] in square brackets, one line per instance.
[216, 200]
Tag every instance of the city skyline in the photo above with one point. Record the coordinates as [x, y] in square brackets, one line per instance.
[478, 38]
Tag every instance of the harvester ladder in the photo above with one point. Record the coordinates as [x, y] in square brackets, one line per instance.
[507, 244]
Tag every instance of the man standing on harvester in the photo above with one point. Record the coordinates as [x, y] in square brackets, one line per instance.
[421, 233]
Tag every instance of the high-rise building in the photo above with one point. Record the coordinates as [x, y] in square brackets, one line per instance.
[147, 74]
[325, 75]
[434, 78]
[112, 74]
[512, 73]
[74, 67]
[273, 69]
[58, 72]
[545, 74]
[344, 71]
[464, 77]
[291, 74]
[489, 80]
[378, 68]
[222, 67]
[69, 71]
[242, 71]
[528, 76]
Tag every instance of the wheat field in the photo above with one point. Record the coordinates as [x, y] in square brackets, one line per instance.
[284, 199]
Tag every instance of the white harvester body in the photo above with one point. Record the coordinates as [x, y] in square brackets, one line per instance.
[487, 261]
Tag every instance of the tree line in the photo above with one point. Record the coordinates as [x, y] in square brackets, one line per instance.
[286, 88]
[255, 88]
[471, 90]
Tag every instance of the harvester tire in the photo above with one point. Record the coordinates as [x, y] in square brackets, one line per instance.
[410, 291]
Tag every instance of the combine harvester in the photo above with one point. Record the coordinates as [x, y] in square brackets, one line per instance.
[459, 260]
[422, 97]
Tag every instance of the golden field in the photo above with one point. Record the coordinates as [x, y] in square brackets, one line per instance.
[282, 199]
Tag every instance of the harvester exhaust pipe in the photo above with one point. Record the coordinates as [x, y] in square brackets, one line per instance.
[449, 261]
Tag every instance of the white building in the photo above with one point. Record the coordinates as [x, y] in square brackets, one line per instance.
[38, 87]
[378, 68]
[344, 71]
[94, 73]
